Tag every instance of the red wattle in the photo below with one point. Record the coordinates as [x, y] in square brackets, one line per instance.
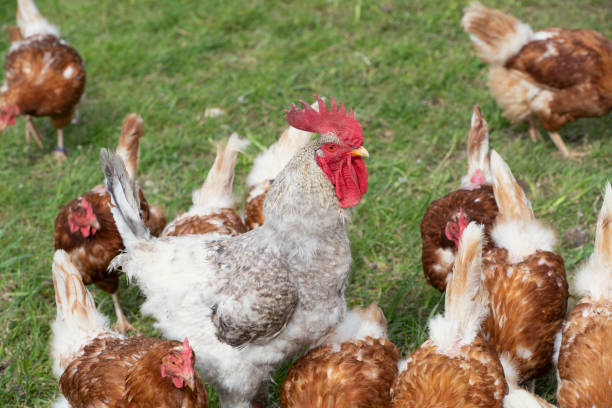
[351, 181]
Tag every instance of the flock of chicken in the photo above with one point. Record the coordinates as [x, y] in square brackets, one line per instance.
[244, 294]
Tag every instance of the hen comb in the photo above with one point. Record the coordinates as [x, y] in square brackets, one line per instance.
[187, 352]
[336, 121]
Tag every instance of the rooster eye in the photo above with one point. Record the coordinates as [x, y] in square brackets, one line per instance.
[331, 147]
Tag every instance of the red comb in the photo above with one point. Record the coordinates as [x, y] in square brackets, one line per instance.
[336, 121]
[186, 351]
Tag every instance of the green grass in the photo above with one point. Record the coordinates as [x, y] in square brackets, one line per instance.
[405, 66]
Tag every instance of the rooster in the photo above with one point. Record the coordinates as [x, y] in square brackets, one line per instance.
[447, 217]
[353, 367]
[213, 211]
[44, 76]
[585, 356]
[526, 281]
[249, 301]
[554, 75]
[266, 167]
[456, 367]
[97, 367]
[85, 228]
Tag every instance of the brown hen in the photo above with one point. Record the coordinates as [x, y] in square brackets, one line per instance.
[446, 217]
[353, 367]
[554, 75]
[44, 76]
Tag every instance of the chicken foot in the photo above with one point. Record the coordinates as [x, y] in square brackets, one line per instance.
[32, 132]
[533, 130]
[556, 138]
[122, 325]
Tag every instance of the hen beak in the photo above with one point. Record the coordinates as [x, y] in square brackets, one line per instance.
[190, 382]
[95, 224]
[361, 152]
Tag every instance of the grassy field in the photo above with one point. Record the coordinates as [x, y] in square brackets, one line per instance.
[405, 66]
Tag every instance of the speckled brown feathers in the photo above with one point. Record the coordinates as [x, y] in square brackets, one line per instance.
[438, 253]
[358, 374]
[44, 77]
[528, 301]
[224, 222]
[584, 366]
[116, 373]
[253, 207]
[473, 379]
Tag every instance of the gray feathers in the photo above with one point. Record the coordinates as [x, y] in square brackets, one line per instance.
[125, 201]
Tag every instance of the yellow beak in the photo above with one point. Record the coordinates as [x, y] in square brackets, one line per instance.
[361, 152]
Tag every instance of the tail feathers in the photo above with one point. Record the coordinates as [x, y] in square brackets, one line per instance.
[479, 166]
[31, 22]
[510, 197]
[595, 277]
[522, 399]
[358, 324]
[466, 300]
[272, 160]
[77, 319]
[495, 35]
[125, 201]
[217, 190]
[128, 147]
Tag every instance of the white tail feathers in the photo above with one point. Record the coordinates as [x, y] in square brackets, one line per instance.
[125, 200]
[520, 398]
[217, 190]
[495, 35]
[510, 197]
[479, 166]
[358, 324]
[272, 160]
[77, 318]
[466, 300]
[595, 277]
[31, 22]
[128, 147]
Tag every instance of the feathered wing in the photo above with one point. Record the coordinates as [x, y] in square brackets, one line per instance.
[125, 200]
[217, 190]
[77, 321]
[594, 279]
[478, 163]
[128, 147]
[466, 303]
[31, 22]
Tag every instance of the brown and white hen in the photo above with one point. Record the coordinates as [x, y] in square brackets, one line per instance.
[85, 228]
[101, 368]
[456, 367]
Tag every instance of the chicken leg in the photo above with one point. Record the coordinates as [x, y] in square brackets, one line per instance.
[60, 153]
[533, 130]
[556, 138]
[32, 132]
[122, 325]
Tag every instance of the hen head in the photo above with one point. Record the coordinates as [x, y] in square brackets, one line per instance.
[341, 160]
[8, 116]
[455, 227]
[82, 218]
[179, 364]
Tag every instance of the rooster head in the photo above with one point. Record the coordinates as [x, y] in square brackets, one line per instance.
[179, 366]
[83, 219]
[342, 159]
[455, 227]
[8, 116]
